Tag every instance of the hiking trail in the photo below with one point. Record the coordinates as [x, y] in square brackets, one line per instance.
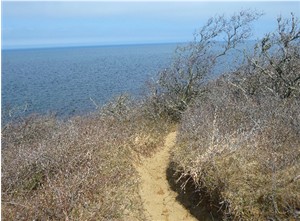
[159, 200]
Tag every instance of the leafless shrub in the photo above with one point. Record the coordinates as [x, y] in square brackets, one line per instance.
[81, 169]
[239, 143]
[275, 63]
[244, 150]
[120, 108]
[180, 84]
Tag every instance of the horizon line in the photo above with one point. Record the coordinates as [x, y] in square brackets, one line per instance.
[97, 45]
[85, 46]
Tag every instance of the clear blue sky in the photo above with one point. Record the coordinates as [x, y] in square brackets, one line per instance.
[52, 24]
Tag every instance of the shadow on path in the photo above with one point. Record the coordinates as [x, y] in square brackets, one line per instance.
[190, 198]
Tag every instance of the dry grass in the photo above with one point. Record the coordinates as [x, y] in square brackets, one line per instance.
[243, 153]
[81, 169]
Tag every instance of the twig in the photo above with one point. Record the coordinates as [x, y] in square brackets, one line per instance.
[16, 204]
[97, 106]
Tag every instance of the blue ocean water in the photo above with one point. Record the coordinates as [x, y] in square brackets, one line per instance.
[62, 80]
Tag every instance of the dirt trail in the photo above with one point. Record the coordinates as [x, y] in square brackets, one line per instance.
[159, 200]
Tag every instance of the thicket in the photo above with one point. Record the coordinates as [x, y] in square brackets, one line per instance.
[239, 143]
[80, 169]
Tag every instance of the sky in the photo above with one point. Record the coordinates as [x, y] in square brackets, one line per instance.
[58, 24]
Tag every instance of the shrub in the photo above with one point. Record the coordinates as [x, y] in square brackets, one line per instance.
[181, 84]
[243, 153]
[81, 169]
[274, 67]
[238, 145]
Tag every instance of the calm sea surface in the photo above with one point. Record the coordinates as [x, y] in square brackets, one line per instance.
[63, 80]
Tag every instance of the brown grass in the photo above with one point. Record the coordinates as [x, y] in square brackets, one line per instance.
[81, 169]
[244, 153]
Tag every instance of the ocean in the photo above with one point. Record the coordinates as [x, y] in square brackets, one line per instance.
[64, 80]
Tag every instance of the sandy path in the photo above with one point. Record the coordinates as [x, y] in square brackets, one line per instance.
[158, 199]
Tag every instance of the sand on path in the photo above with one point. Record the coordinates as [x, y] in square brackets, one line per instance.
[159, 200]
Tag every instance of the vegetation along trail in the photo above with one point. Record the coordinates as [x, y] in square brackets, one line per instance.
[159, 199]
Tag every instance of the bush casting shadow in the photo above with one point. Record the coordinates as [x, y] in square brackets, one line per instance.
[197, 202]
